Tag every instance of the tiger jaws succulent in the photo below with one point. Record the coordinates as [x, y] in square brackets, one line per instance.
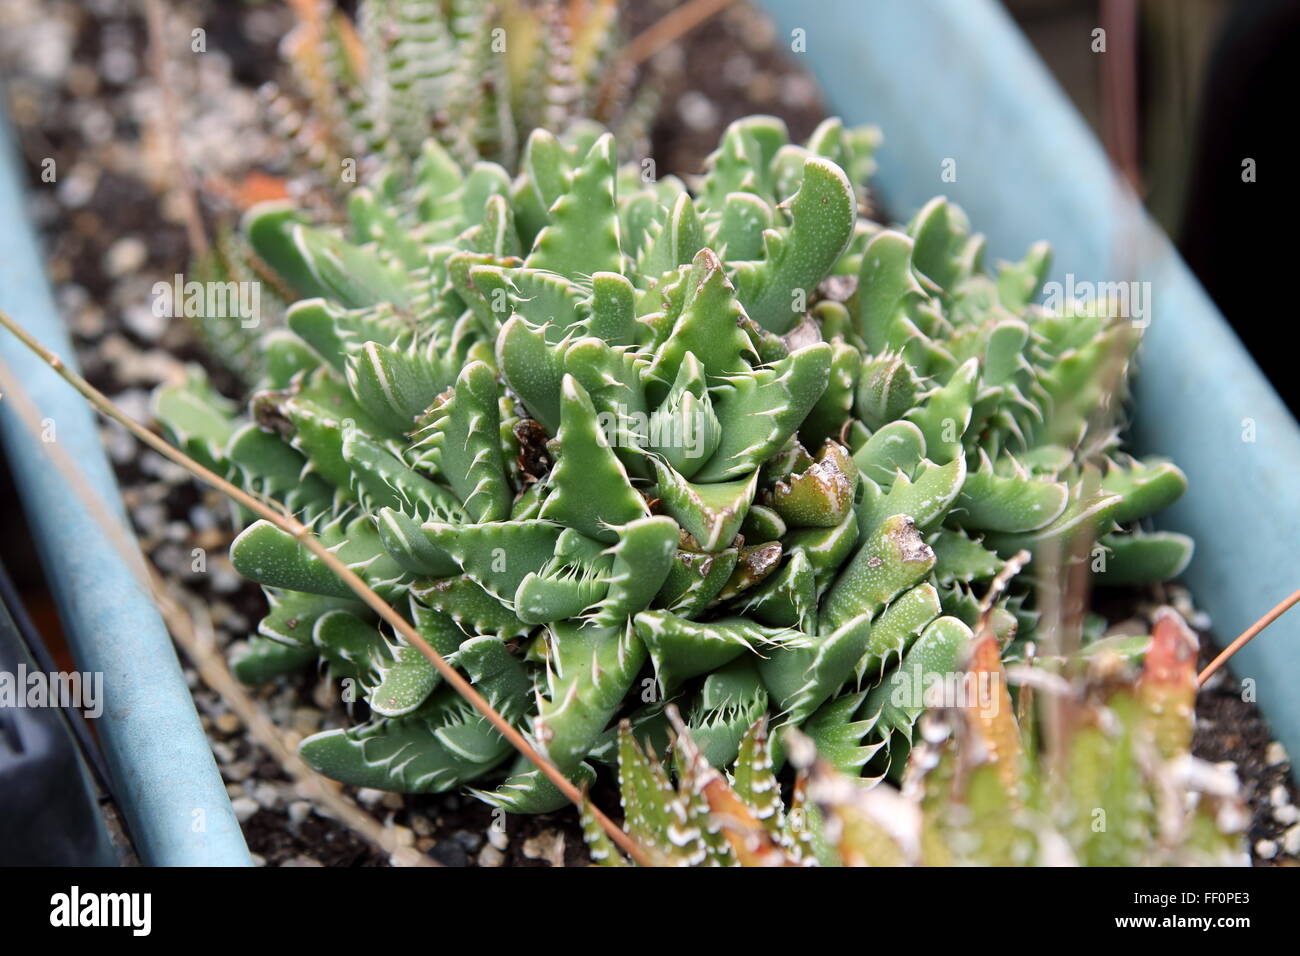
[610, 442]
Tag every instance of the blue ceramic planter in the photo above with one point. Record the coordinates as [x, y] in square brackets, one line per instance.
[163, 773]
[955, 80]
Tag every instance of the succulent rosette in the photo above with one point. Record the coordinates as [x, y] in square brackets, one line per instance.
[610, 441]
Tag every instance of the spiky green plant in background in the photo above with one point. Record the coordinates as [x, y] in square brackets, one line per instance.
[477, 76]
[1114, 785]
[610, 442]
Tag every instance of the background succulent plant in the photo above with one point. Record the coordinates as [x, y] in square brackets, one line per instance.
[475, 76]
[610, 441]
[1115, 785]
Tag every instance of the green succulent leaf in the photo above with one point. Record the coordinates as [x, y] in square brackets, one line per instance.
[897, 701]
[681, 649]
[590, 489]
[893, 558]
[1142, 557]
[821, 214]
[712, 513]
[760, 410]
[695, 579]
[263, 660]
[990, 502]
[465, 433]
[582, 235]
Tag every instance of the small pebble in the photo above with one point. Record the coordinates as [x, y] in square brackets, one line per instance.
[757, 33]
[697, 111]
[490, 856]
[1291, 840]
[72, 296]
[117, 65]
[125, 256]
[82, 81]
[264, 25]
[325, 694]
[671, 59]
[88, 322]
[227, 724]
[150, 518]
[1287, 814]
[1266, 849]
[78, 187]
[497, 837]
[393, 801]
[225, 580]
[201, 520]
[764, 88]
[121, 446]
[798, 92]
[1278, 796]
[548, 846]
[739, 70]
[266, 794]
[244, 808]
[144, 322]
[405, 856]
[301, 861]
[239, 770]
[299, 811]
[1276, 754]
[369, 797]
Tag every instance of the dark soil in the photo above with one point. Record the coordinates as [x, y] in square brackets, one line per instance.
[1229, 728]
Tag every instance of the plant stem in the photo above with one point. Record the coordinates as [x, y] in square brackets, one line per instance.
[667, 29]
[672, 26]
[168, 122]
[302, 533]
[1246, 636]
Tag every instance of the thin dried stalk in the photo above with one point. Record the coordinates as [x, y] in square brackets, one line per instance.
[1247, 636]
[167, 124]
[668, 29]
